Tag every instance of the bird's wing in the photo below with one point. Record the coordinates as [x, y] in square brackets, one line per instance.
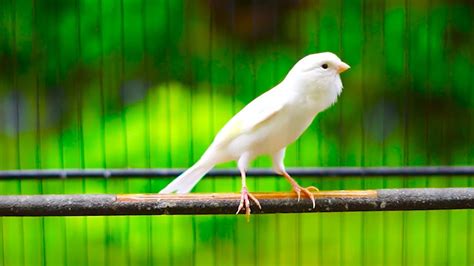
[251, 116]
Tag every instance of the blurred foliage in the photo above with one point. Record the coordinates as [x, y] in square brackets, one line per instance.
[90, 84]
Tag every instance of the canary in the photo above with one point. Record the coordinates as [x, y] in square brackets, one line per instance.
[268, 124]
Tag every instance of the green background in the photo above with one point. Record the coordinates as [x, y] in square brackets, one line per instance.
[121, 83]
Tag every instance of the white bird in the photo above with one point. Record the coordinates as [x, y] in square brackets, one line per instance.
[270, 123]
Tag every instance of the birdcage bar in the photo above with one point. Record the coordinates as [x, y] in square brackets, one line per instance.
[156, 204]
[445, 171]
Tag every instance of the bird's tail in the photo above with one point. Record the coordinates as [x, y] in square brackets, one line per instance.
[187, 180]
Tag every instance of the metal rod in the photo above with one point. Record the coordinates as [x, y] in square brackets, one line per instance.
[301, 172]
[157, 204]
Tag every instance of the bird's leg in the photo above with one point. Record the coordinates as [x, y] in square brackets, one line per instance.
[298, 189]
[279, 167]
[245, 196]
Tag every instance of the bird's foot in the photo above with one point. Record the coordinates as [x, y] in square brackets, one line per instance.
[299, 189]
[245, 198]
[306, 191]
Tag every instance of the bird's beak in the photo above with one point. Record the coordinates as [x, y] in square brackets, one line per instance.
[342, 67]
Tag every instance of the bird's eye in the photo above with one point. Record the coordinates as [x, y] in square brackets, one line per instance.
[324, 66]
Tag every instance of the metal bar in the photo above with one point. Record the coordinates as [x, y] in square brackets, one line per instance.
[157, 204]
[301, 172]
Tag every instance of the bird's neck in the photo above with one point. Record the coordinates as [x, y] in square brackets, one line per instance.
[318, 95]
[319, 100]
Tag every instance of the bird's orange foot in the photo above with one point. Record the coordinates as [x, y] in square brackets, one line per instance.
[307, 191]
[245, 198]
[298, 189]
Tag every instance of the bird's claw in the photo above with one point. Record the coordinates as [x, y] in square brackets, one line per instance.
[307, 191]
[298, 189]
[315, 189]
[245, 202]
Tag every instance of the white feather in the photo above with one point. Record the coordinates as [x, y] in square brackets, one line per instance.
[187, 180]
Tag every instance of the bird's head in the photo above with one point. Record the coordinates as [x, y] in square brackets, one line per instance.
[318, 72]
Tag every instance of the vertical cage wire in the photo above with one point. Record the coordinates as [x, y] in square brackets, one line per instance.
[426, 129]
[342, 220]
[469, 159]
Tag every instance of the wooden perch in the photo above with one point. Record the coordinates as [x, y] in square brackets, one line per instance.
[155, 204]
